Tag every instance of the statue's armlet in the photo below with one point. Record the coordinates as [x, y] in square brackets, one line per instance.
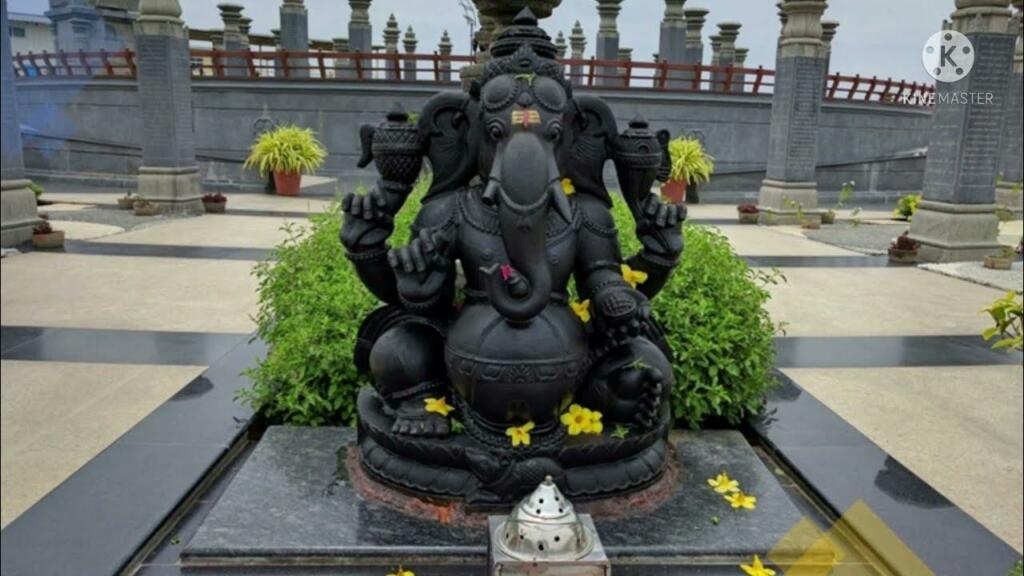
[598, 247]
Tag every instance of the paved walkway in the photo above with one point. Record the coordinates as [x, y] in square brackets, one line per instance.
[96, 337]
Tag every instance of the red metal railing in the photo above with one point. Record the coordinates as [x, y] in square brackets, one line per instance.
[396, 67]
[324, 65]
[100, 64]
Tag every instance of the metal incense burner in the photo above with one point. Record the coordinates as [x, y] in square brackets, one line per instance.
[543, 535]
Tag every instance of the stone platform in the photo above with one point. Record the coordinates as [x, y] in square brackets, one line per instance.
[293, 505]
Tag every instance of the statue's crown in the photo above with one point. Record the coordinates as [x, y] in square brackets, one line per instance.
[523, 32]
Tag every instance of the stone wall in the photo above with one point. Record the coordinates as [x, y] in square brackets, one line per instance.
[93, 127]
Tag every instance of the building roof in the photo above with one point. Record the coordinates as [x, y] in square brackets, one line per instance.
[30, 18]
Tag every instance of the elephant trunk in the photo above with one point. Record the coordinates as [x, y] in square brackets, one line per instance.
[523, 187]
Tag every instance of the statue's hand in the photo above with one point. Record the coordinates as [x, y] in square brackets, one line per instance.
[660, 226]
[622, 314]
[368, 220]
[421, 267]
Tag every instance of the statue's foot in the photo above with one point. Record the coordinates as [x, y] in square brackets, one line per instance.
[412, 418]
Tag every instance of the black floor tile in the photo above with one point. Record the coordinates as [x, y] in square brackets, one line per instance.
[886, 351]
[115, 346]
[84, 247]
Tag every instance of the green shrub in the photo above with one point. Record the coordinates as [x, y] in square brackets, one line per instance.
[312, 303]
[712, 311]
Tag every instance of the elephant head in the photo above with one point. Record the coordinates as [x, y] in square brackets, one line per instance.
[523, 102]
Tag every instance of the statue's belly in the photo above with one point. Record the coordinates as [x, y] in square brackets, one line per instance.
[514, 373]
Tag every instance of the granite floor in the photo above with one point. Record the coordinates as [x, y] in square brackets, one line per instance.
[99, 336]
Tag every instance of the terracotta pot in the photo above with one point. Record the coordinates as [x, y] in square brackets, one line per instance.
[287, 183]
[674, 191]
[126, 203]
[54, 239]
[898, 256]
[146, 209]
[214, 207]
[748, 217]
[828, 217]
[998, 262]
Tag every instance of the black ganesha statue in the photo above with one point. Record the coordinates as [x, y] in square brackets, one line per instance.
[488, 374]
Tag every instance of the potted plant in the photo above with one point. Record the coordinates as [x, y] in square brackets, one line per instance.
[906, 206]
[144, 207]
[287, 152]
[44, 236]
[903, 249]
[801, 216]
[215, 203]
[690, 166]
[126, 202]
[1001, 261]
[845, 193]
[748, 213]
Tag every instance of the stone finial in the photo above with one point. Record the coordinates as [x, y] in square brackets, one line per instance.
[674, 11]
[160, 10]
[244, 25]
[339, 44]
[608, 10]
[445, 45]
[391, 34]
[741, 56]
[801, 34]
[577, 40]
[716, 47]
[360, 11]
[231, 15]
[409, 41]
[625, 54]
[560, 45]
[695, 18]
[276, 33]
[981, 16]
[728, 32]
[828, 31]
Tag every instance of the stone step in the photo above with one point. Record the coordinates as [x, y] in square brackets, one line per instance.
[318, 186]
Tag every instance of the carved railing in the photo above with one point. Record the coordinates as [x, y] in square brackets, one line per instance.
[324, 65]
[62, 63]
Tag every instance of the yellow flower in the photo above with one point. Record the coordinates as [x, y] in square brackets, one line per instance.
[594, 425]
[633, 277]
[520, 434]
[575, 419]
[582, 309]
[401, 572]
[722, 484]
[741, 500]
[757, 568]
[567, 187]
[437, 406]
[580, 420]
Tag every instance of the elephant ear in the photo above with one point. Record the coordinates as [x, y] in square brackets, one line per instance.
[444, 126]
[587, 144]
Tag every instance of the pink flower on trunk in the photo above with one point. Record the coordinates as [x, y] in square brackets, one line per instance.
[506, 272]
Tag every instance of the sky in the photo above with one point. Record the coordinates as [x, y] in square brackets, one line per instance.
[875, 37]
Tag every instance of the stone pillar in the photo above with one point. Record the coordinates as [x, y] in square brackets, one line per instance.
[444, 48]
[409, 44]
[624, 55]
[391, 35]
[295, 35]
[672, 37]
[92, 25]
[231, 38]
[740, 78]
[560, 45]
[169, 175]
[789, 186]
[715, 78]
[607, 47]
[956, 219]
[828, 32]
[728, 32]
[342, 66]
[17, 202]
[694, 53]
[578, 44]
[244, 27]
[1009, 190]
[360, 32]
